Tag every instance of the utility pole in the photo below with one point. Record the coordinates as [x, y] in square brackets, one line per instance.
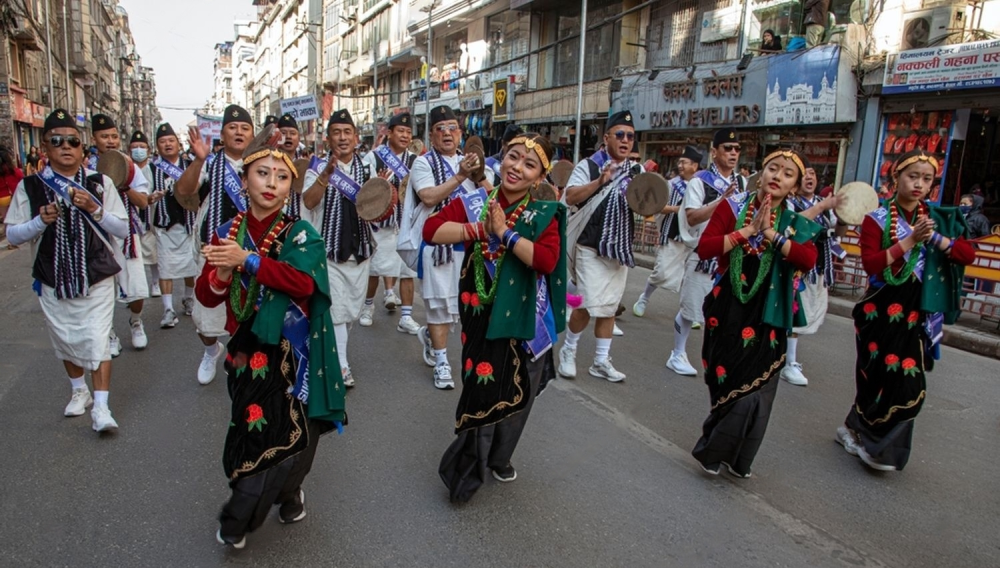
[375, 57]
[69, 89]
[48, 51]
[427, 85]
[579, 81]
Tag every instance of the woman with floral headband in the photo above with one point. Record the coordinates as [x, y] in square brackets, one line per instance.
[513, 305]
[284, 376]
[760, 244]
[898, 321]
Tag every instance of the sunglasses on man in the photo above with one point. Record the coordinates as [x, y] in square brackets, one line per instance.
[57, 141]
[730, 147]
[446, 127]
[623, 135]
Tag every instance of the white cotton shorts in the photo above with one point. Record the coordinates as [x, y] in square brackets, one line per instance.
[348, 287]
[209, 322]
[148, 243]
[601, 282]
[175, 255]
[386, 261]
[80, 329]
[695, 287]
[668, 273]
[813, 302]
[439, 287]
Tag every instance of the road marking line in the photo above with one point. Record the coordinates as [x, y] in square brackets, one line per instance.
[801, 532]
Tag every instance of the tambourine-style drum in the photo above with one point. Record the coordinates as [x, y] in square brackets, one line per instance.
[375, 200]
[545, 192]
[859, 200]
[401, 194]
[474, 146]
[117, 166]
[752, 181]
[301, 165]
[561, 172]
[416, 146]
[647, 194]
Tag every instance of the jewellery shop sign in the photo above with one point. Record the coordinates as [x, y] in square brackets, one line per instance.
[673, 101]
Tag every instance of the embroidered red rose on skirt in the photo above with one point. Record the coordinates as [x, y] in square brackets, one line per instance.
[484, 372]
[258, 365]
[255, 418]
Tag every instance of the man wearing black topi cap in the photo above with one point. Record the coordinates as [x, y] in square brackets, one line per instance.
[671, 254]
[174, 226]
[61, 211]
[290, 146]
[135, 194]
[391, 161]
[599, 243]
[706, 190]
[349, 241]
[435, 179]
[138, 147]
[211, 186]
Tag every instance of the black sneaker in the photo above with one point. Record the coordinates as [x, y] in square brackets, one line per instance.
[735, 473]
[505, 474]
[712, 469]
[293, 511]
[237, 543]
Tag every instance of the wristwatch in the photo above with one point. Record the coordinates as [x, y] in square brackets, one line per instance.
[98, 215]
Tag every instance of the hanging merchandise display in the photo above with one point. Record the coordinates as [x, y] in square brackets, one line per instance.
[906, 131]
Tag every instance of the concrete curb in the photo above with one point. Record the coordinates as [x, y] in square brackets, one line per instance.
[959, 337]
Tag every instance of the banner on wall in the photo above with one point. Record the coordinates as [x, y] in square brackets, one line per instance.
[803, 88]
[301, 108]
[209, 127]
[964, 66]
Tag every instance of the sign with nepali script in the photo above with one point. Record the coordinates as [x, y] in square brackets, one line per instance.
[301, 108]
[964, 66]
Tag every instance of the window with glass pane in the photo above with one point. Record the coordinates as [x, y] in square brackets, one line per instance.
[508, 34]
[395, 84]
[784, 17]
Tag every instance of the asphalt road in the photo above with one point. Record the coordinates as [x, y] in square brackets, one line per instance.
[605, 477]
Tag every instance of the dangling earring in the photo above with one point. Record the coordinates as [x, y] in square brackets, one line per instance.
[758, 183]
[288, 199]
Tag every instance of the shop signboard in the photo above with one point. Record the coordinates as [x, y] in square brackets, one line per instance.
[720, 96]
[209, 127]
[501, 99]
[38, 114]
[963, 66]
[808, 88]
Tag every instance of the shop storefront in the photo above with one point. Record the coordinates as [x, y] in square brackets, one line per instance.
[805, 100]
[946, 100]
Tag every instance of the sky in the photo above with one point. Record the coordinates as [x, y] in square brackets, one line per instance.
[177, 39]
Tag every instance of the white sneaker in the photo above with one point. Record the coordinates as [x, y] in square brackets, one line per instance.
[793, 374]
[678, 363]
[139, 339]
[237, 544]
[425, 340]
[567, 362]
[605, 370]
[872, 462]
[188, 304]
[442, 377]
[155, 290]
[408, 325]
[348, 378]
[79, 402]
[103, 422]
[617, 331]
[639, 308]
[391, 301]
[169, 319]
[848, 439]
[695, 325]
[209, 363]
[116, 344]
[365, 319]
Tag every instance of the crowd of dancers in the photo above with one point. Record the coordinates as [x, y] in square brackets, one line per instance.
[276, 255]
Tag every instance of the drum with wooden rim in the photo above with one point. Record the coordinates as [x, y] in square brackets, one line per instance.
[375, 200]
[117, 166]
[647, 194]
[859, 199]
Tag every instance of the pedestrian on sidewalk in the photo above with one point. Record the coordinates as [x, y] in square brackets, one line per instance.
[760, 244]
[67, 212]
[269, 272]
[514, 254]
[898, 320]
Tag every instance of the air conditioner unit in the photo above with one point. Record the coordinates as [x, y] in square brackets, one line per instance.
[939, 26]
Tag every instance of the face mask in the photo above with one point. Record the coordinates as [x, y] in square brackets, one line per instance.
[139, 154]
[965, 209]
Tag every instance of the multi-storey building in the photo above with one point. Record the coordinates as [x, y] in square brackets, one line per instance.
[74, 54]
[222, 91]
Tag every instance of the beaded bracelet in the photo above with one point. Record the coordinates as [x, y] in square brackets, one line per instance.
[252, 264]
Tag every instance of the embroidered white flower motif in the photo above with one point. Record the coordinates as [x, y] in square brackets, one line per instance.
[529, 216]
[300, 238]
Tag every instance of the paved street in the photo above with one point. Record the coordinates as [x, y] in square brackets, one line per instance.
[604, 473]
